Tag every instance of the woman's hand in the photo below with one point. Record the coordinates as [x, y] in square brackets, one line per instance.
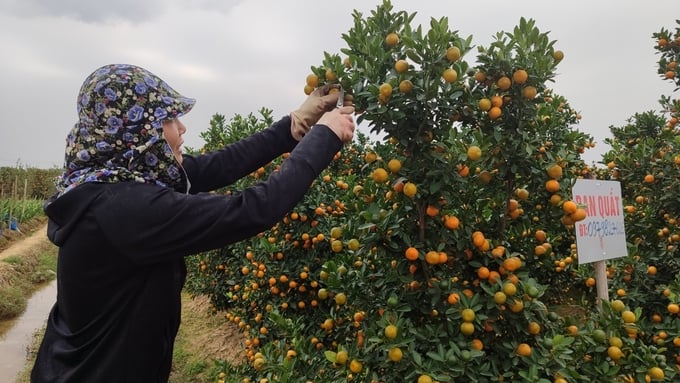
[320, 101]
[341, 122]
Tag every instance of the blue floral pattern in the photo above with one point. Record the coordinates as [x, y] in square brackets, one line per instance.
[119, 133]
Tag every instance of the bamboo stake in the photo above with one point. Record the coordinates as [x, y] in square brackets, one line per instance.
[23, 201]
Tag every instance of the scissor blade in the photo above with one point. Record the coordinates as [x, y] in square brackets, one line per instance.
[341, 99]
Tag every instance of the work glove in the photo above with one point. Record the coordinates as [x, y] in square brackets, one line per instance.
[320, 101]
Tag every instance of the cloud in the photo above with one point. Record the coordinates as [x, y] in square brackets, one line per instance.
[108, 11]
[237, 56]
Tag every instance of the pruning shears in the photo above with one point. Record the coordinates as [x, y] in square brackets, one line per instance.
[341, 99]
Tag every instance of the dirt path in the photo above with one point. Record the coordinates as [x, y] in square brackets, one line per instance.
[36, 238]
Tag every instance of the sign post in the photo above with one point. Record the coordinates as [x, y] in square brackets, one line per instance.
[601, 235]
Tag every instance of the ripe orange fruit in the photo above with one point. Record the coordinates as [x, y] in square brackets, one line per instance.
[649, 178]
[523, 349]
[522, 194]
[395, 354]
[529, 92]
[385, 90]
[509, 289]
[555, 199]
[453, 54]
[453, 298]
[552, 186]
[673, 308]
[463, 170]
[336, 246]
[555, 171]
[336, 232]
[331, 76]
[451, 222]
[432, 211]
[618, 305]
[379, 175]
[540, 235]
[483, 272]
[411, 254]
[569, 207]
[467, 328]
[432, 257]
[614, 352]
[503, 83]
[656, 373]
[480, 76]
[391, 331]
[401, 66]
[410, 189]
[616, 342]
[405, 86]
[540, 250]
[534, 328]
[340, 299]
[312, 80]
[520, 76]
[394, 165]
[341, 357]
[468, 315]
[516, 305]
[478, 238]
[512, 263]
[628, 316]
[484, 104]
[450, 75]
[495, 112]
[558, 55]
[474, 153]
[579, 215]
[497, 101]
[355, 366]
[370, 157]
[477, 344]
[392, 39]
[498, 251]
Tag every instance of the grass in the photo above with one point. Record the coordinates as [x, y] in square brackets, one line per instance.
[203, 343]
[20, 276]
[13, 300]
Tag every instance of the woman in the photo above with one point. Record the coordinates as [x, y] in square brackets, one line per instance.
[129, 206]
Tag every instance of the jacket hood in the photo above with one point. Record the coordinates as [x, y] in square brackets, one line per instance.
[67, 211]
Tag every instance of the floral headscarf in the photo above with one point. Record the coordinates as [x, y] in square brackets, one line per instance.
[119, 133]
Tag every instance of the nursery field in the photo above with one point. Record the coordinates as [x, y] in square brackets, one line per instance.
[447, 250]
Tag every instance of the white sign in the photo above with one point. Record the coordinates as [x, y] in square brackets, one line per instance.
[602, 234]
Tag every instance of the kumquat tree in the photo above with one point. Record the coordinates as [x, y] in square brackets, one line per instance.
[445, 250]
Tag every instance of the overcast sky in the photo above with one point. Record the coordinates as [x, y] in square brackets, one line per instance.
[238, 56]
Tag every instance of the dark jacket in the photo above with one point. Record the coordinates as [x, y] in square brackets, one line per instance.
[121, 247]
